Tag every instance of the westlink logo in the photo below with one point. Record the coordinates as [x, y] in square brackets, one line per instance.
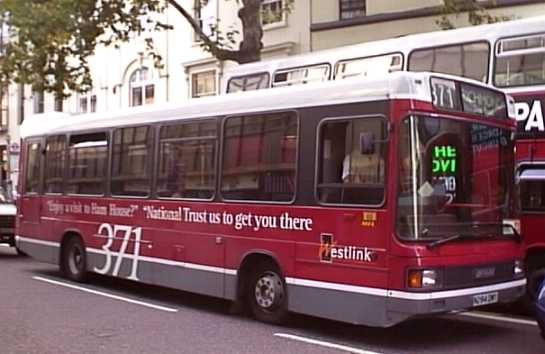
[330, 251]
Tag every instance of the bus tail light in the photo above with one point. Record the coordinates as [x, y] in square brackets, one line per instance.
[423, 279]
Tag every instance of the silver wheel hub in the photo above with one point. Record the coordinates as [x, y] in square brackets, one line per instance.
[268, 290]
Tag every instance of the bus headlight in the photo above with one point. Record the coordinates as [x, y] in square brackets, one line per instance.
[423, 278]
[518, 267]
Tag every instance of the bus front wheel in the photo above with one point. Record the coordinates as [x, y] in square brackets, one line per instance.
[267, 294]
[74, 260]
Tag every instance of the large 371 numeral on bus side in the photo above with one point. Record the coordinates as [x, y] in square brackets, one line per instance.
[111, 232]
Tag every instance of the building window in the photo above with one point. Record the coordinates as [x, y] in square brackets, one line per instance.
[58, 104]
[205, 14]
[272, 12]
[4, 111]
[203, 84]
[38, 101]
[352, 9]
[87, 104]
[141, 88]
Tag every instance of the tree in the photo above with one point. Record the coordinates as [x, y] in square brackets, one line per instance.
[476, 13]
[51, 40]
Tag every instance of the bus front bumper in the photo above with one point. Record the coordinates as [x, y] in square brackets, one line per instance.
[408, 304]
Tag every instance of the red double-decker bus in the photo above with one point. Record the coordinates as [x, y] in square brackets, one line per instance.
[365, 201]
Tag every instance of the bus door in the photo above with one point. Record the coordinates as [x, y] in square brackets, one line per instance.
[30, 204]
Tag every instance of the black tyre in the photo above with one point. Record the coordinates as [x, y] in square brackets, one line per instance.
[267, 295]
[74, 260]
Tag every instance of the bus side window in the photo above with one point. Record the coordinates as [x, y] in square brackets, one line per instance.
[352, 161]
[131, 161]
[87, 163]
[187, 160]
[55, 148]
[260, 157]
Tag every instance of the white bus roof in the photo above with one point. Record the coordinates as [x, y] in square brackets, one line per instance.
[396, 85]
[404, 44]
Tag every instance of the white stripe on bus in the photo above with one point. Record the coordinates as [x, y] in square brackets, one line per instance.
[321, 284]
[111, 296]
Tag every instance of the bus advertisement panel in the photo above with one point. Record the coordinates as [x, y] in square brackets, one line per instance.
[361, 201]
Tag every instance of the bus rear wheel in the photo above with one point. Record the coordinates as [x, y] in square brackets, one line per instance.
[74, 260]
[267, 294]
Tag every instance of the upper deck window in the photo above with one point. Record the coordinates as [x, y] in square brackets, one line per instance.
[352, 9]
[351, 161]
[301, 75]
[467, 60]
[87, 163]
[375, 66]
[260, 157]
[248, 82]
[520, 61]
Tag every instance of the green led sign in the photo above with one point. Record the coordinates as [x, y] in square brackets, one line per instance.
[444, 159]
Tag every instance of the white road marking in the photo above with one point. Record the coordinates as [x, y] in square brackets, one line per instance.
[489, 316]
[111, 296]
[324, 344]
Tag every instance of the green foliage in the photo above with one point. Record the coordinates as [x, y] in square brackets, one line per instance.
[476, 13]
[50, 40]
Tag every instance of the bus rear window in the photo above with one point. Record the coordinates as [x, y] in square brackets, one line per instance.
[519, 61]
[351, 161]
[467, 60]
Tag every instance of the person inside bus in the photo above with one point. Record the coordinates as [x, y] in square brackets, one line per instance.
[362, 164]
